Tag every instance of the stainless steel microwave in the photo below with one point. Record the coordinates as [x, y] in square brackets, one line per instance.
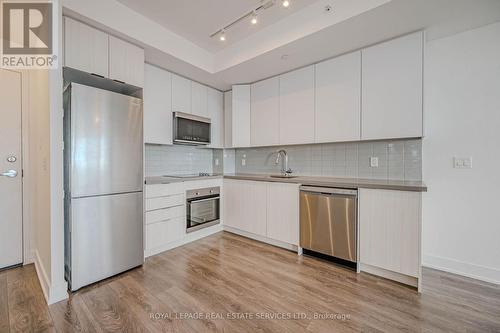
[190, 129]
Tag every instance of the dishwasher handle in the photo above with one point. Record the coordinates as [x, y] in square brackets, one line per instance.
[329, 190]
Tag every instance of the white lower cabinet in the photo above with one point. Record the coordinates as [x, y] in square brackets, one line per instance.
[268, 210]
[165, 232]
[165, 216]
[283, 212]
[245, 206]
[390, 231]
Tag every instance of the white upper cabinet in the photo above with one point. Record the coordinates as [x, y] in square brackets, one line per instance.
[265, 113]
[126, 62]
[228, 119]
[241, 116]
[157, 106]
[181, 94]
[199, 99]
[216, 114]
[297, 106]
[85, 48]
[338, 99]
[392, 89]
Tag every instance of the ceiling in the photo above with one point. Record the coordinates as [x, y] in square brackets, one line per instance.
[306, 36]
[196, 20]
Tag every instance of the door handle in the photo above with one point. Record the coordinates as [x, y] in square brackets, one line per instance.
[9, 173]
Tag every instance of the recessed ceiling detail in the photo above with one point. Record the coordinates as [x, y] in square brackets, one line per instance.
[196, 20]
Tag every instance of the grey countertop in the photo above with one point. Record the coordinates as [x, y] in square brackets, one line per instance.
[400, 185]
[169, 180]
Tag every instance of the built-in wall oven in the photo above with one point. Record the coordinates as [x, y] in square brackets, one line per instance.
[203, 208]
[190, 129]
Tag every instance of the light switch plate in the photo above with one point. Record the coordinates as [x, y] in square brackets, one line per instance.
[374, 162]
[462, 162]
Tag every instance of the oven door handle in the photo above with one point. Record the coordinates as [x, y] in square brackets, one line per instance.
[203, 200]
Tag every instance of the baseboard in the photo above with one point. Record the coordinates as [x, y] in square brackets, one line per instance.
[261, 238]
[53, 294]
[188, 238]
[42, 275]
[398, 277]
[477, 272]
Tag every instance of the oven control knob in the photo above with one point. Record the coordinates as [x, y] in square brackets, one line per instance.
[197, 193]
[211, 191]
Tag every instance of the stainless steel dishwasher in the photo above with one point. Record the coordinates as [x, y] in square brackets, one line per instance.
[328, 223]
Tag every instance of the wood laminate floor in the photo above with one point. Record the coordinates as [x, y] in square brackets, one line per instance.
[227, 283]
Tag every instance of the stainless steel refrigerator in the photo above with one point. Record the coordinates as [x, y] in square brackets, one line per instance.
[103, 184]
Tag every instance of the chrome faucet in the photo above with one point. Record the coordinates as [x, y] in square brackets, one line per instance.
[283, 156]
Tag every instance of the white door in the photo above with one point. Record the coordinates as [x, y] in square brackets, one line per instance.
[283, 212]
[392, 89]
[265, 113]
[157, 106]
[11, 227]
[338, 99]
[297, 106]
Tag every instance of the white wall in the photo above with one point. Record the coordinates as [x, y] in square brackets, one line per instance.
[38, 172]
[461, 219]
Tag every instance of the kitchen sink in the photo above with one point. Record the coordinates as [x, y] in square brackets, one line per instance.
[282, 176]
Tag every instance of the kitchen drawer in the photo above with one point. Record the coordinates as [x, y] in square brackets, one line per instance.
[164, 202]
[161, 190]
[162, 233]
[165, 214]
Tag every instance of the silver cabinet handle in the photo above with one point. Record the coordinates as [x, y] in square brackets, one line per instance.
[9, 173]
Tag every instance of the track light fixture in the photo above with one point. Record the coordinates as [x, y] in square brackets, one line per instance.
[264, 4]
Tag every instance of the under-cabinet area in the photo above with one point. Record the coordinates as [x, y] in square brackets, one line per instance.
[388, 231]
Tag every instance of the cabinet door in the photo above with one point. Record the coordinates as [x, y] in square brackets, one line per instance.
[199, 99]
[126, 62]
[85, 48]
[297, 106]
[216, 115]
[265, 113]
[245, 206]
[338, 99]
[241, 116]
[392, 89]
[390, 223]
[181, 94]
[157, 106]
[228, 119]
[283, 212]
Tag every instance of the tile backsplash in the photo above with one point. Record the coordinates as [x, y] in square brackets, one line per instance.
[397, 159]
[174, 160]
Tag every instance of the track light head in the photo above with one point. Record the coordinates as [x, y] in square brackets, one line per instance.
[285, 3]
[254, 18]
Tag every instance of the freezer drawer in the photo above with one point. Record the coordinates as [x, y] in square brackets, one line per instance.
[106, 237]
[328, 222]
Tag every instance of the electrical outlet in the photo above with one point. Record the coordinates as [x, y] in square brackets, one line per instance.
[374, 162]
[462, 162]
[243, 162]
[216, 161]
